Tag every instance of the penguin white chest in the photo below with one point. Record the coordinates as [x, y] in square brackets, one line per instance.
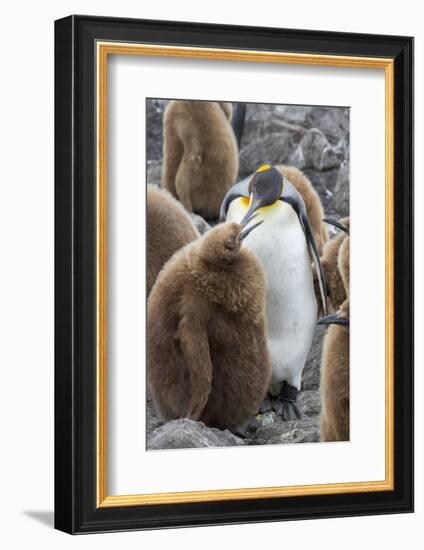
[280, 244]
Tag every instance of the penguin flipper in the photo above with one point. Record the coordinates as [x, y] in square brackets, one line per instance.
[337, 224]
[317, 262]
[292, 197]
[240, 189]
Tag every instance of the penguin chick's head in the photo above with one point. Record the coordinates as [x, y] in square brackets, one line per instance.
[221, 245]
[265, 189]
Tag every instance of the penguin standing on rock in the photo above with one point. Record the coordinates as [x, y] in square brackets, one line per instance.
[335, 359]
[285, 244]
[206, 329]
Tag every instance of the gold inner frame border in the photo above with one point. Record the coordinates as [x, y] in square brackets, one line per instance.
[103, 50]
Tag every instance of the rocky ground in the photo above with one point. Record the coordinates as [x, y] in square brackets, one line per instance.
[316, 140]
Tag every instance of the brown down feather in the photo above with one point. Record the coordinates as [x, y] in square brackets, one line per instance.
[336, 289]
[200, 154]
[207, 348]
[168, 228]
[335, 385]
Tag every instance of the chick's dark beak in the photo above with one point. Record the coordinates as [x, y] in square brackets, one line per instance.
[248, 230]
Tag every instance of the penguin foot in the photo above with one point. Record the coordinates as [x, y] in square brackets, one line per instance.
[266, 404]
[285, 404]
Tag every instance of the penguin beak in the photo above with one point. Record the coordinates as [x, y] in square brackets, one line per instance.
[333, 319]
[248, 230]
[254, 204]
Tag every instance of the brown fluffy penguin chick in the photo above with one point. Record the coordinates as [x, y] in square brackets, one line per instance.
[343, 260]
[207, 348]
[312, 202]
[330, 264]
[169, 228]
[335, 366]
[200, 155]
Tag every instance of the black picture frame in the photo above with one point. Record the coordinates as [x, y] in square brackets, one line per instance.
[76, 510]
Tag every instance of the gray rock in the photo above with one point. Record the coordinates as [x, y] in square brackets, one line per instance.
[275, 148]
[201, 225]
[185, 433]
[311, 372]
[324, 183]
[305, 430]
[152, 419]
[341, 191]
[154, 128]
[314, 151]
[309, 402]
[258, 122]
[294, 114]
[263, 119]
[154, 171]
[333, 122]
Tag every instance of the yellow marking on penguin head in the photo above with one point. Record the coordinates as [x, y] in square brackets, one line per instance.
[263, 168]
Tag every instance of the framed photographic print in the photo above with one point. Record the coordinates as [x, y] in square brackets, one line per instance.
[234, 274]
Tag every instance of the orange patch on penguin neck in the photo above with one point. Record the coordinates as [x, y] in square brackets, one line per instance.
[244, 201]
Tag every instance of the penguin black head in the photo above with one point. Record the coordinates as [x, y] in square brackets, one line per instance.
[265, 188]
[221, 245]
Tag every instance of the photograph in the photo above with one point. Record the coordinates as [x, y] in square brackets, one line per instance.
[247, 283]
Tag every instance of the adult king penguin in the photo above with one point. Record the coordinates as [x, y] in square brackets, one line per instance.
[285, 245]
